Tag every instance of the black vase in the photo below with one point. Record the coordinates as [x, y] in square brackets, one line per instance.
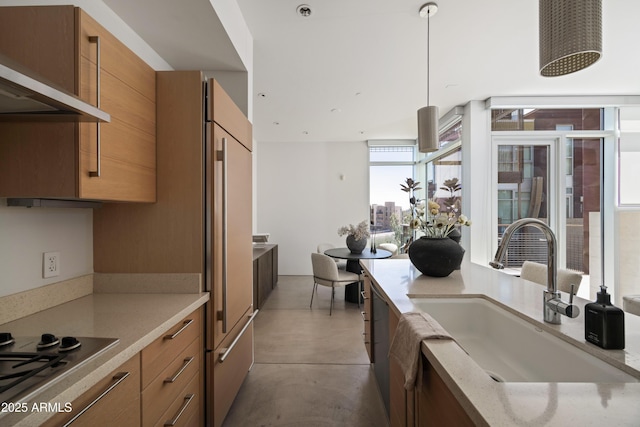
[356, 246]
[436, 257]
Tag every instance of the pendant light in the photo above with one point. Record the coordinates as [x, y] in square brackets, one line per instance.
[570, 35]
[428, 135]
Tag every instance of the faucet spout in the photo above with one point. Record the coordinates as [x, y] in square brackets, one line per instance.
[553, 305]
[551, 248]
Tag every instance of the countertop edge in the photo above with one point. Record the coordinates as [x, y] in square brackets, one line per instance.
[486, 401]
[93, 371]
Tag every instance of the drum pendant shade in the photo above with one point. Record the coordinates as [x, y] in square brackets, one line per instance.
[570, 35]
[428, 135]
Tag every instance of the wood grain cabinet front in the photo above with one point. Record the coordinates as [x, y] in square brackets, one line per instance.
[366, 317]
[115, 400]
[113, 161]
[172, 375]
[231, 362]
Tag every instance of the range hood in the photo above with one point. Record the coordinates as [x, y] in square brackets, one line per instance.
[25, 97]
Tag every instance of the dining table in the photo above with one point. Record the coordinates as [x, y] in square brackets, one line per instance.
[352, 291]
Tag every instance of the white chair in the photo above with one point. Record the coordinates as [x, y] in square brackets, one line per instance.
[326, 273]
[391, 247]
[323, 247]
[631, 304]
[536, 272]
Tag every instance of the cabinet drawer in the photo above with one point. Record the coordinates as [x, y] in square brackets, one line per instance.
[229, 375]
[157, 355]
[166, 387]
[119, 406]
[185, 410]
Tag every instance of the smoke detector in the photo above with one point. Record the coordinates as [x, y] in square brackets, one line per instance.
[304, 10]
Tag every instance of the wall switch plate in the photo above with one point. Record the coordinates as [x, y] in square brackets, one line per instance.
[50, 264]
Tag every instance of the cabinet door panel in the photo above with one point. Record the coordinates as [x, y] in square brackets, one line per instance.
[239, 271]
[46, 46]
[37, 160]
[127, 145]
[227, 377]
[120, 406]
[128, 68]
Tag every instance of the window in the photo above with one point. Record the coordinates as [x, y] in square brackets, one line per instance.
[389, 166]
[551, 176]
[528, 119]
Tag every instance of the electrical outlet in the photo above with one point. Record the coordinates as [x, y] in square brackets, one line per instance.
[50, 264]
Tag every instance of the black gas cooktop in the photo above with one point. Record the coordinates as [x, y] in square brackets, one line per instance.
[28, 365]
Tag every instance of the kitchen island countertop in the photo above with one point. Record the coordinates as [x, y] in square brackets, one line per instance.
[135, 319]
[488, 402]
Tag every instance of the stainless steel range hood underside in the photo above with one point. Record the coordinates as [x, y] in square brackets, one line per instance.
[25, 98]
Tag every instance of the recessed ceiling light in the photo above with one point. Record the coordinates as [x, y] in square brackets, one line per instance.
[304, 10]
[262, 95]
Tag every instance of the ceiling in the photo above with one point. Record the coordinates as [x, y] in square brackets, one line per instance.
[357, 70]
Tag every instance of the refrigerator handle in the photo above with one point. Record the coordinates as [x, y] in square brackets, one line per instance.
[222, 156]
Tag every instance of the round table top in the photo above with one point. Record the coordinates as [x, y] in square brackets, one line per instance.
[345, 253]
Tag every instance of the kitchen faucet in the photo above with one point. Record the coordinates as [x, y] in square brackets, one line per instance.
[552, 303]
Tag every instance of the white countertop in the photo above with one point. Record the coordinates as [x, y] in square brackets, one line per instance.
[135, 319]
[511, 404]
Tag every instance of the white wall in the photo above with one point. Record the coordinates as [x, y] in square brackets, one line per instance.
[302, 200]
[26, 233]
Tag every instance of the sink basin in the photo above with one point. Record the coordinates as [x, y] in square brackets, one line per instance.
[512, 349]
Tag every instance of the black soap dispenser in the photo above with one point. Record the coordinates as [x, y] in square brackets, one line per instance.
[604, 322]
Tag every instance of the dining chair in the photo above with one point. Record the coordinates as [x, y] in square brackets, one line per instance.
[326, 273]
[391, 247]
[536, 272]
[324, 246]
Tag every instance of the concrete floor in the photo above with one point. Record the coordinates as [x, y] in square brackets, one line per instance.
[311, 369]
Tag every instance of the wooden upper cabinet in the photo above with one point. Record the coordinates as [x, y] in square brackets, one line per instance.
[60, 160]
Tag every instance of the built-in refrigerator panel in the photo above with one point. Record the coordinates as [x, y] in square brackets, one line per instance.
[232, 268]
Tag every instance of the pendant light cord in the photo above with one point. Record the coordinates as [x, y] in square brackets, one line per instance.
[428, 55]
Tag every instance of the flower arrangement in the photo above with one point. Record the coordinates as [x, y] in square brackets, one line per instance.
[361, 231]
[428, 217]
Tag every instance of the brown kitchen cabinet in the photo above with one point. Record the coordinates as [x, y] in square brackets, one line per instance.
[401, 400]
[435, 403]
[116, 398]
[172, 376]
[265, 272]
[200, 152]
[366, 317]
[64, 45]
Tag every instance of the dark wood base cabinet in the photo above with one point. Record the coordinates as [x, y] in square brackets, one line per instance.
[265, 272]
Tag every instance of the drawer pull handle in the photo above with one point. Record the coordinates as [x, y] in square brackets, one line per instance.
[226, 351]
[175, 376]
[364, 295]
[185, 325]
[187, 399]
[364, 314]
[119, 377]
